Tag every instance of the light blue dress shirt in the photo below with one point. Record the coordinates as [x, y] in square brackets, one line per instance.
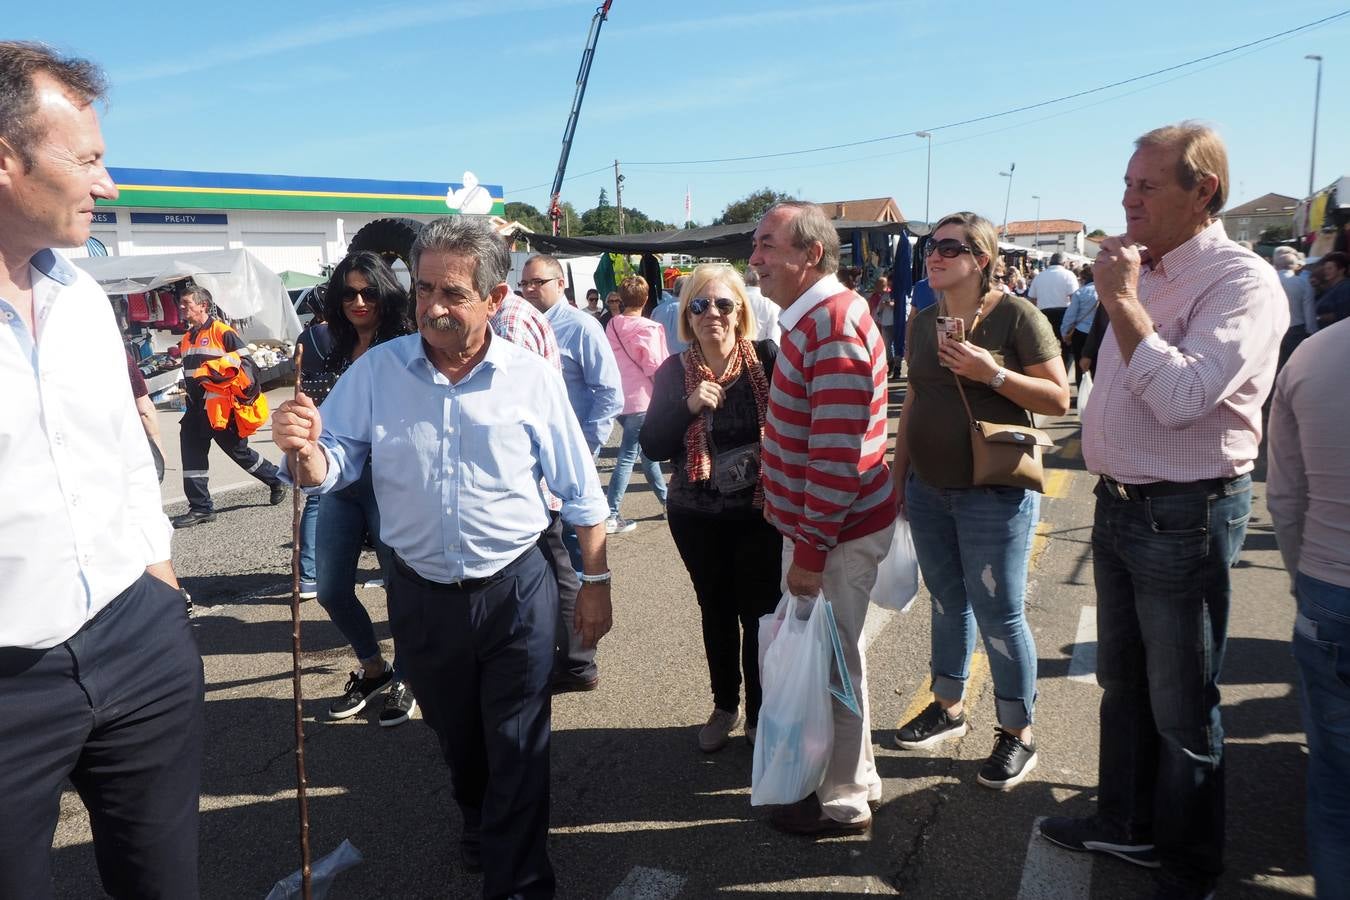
[667, 312]
[1082, 309]
[457, 466]
[594, 385]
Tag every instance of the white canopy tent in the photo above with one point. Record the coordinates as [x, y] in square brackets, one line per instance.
[247, 292]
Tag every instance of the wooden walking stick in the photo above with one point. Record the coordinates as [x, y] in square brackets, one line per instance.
[297, 509]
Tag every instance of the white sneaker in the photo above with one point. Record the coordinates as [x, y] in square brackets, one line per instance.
[618, 525]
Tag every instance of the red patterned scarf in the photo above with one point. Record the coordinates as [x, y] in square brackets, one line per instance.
[698, 467]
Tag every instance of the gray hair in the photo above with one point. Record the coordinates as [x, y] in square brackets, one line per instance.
[20, 62]
[810, 226]
[1286, 258]
[678, 284]
[751, 277]
[471, 237]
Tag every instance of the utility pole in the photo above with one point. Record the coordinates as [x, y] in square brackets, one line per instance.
[618, 193]
[1008, 197]
[928, 182]
[1317, 101]
[1037, 198]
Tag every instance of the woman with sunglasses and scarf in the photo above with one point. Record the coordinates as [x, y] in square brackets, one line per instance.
[364, 306]
[974, 542]
[707, 416]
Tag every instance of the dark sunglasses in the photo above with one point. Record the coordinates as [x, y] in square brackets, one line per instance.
[948, 248]
[350, 294]
[699, 305]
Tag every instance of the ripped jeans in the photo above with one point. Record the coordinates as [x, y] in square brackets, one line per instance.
[974, 546]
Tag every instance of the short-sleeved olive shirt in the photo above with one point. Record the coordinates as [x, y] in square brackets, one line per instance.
[1017, 335]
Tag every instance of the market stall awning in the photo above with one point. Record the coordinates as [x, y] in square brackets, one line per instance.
[292, 280]
[730, 241]
[245, 290]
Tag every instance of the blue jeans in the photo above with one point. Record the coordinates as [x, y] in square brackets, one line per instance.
[1322, 648]
[629, 452]
[974, 545]
[1161, 568]
[309, 523]
[344, 518]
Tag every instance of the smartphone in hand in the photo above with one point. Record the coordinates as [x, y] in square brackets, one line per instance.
[950, 328]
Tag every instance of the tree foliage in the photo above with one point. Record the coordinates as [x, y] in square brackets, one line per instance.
[1096, 233]
[605, 220]
[1276, 233]
[750, 207]
[528, 216]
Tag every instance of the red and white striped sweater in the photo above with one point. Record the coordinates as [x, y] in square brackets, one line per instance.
[823, 458]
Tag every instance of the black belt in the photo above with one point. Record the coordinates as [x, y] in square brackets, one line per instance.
[467, 584]
[1122, 491]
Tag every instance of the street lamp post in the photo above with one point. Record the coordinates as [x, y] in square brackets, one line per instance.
[1008, 197]
[1317, 100]
[1037, 239]
[928, 183]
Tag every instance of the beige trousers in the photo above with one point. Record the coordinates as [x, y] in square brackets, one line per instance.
[851, 778]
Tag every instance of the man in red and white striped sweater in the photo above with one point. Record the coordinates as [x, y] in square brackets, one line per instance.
[827, 487]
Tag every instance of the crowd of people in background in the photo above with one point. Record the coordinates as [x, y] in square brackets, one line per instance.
[456, 426]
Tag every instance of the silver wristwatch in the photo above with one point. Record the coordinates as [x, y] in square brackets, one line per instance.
[999, 377]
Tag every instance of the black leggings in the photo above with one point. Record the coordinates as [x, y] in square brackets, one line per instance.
[736, 567]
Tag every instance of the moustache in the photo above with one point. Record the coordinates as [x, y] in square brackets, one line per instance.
[441, 323]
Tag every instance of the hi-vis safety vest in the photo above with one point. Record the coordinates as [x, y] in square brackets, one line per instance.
[228, 378]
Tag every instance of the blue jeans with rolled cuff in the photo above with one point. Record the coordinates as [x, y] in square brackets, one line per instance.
[1161, 568]
[309, 523]
[1322, 649]
[974, 546]
[344, 518]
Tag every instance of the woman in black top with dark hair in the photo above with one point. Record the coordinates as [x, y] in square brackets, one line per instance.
[364, 306]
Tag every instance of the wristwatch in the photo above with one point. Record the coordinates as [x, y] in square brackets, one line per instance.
[602, 578]
[999, 377]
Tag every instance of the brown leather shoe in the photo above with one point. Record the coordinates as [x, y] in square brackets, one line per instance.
[806, 817]
[567, 684]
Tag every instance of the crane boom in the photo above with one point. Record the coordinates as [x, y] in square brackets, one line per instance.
[583, 75]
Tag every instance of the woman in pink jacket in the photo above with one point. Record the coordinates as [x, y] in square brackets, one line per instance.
[639, 345]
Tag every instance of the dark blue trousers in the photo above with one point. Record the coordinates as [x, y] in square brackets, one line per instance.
[479, 657]
[117, 709]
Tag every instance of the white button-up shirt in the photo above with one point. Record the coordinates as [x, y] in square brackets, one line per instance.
[80, 514]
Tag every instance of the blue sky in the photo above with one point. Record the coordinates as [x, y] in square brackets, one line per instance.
[425, 90]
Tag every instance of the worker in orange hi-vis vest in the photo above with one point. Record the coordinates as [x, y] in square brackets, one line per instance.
[207, 342]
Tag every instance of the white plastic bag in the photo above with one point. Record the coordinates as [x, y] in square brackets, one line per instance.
[897, 581]
[796, 724]
[1084, 391]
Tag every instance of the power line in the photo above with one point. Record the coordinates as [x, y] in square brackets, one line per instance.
[550, 184]
[1007, 112]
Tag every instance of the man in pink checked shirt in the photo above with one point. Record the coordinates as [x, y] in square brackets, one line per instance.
[1172, 429]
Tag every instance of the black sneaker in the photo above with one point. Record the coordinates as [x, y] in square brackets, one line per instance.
[1010, 763]
[193, 517]
[930, 728]
[278, 494]
[399, 705]
[359, 689]
[1095, 835]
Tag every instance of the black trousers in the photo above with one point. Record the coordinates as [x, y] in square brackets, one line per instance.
[478, 657]
[117, 709]
[736, 566]
[1077, 341]
[1056, 317]
[571, 660]
[195, 435]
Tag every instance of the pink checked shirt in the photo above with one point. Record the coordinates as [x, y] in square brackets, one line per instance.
[1188, 405]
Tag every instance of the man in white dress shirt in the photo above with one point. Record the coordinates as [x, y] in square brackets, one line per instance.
[100, 677]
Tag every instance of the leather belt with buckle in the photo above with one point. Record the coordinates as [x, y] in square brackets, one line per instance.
[1123, 491]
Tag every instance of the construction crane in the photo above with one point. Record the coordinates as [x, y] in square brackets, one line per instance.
[583, 75]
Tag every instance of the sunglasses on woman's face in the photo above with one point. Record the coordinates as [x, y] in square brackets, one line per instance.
[699, 305]
[948, 248]
[349, 294]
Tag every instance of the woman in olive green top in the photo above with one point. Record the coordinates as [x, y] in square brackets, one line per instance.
[974, 543]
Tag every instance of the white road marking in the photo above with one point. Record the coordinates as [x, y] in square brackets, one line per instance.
[877, 620]
[1053, 873]
[1083, 666]
[642, 883]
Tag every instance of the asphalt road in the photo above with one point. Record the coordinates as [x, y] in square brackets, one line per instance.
[637, 810]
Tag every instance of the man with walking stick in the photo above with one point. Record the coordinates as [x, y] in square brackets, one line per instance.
[460, 426]
[100, 677]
